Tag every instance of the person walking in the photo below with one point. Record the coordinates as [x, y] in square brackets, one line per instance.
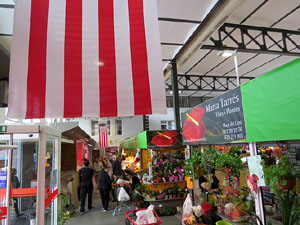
[117, 168]
[86, 176]
[117, 172]
[15, 183]
[104, 188]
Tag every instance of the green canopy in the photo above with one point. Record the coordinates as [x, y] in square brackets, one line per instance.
[264, 109]
[153, 139]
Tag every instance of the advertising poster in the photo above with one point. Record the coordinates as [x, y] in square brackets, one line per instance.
[169, 138]
[3, 179]
[255, 167]
[217, 121]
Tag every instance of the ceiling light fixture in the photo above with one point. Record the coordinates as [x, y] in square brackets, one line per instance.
[226, 53]
[229, 53]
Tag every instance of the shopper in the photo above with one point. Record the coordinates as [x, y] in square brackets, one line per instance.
[104, 188]
[15, 183]
[117, 168]
[108, 165]
[86, 176]
[209, 184]
[123, 163]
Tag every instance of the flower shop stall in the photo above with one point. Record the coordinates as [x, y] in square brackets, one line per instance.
[162, 166]
[262, 113]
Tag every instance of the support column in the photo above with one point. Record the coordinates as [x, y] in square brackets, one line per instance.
[174, 80]
[40, 206]
[259, 205]
[2, 115]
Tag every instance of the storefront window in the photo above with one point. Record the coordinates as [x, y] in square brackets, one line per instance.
[118, 127]
[167, 125]
[95, 128]
[108, 127]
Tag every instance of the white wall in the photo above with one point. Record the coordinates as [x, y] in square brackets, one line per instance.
[131, 126]
[154, 120]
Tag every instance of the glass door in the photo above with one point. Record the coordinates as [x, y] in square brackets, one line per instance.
[5, 165]
[51, 180]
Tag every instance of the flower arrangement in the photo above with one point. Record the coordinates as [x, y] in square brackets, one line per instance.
[168, 168]
[206, 208]
[189, 219]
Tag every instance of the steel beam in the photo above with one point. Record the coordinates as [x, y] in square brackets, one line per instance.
[174, 80]
[264, 40]
[205, 83]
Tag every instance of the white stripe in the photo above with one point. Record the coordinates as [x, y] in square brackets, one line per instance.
[125, 97]
[19, 61]
[55, 59]
[90, 59]
[157, 85]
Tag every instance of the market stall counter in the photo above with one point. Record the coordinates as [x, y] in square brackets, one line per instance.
[261, 112]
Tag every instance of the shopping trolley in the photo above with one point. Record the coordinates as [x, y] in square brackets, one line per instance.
[131, 217]
[122, 203]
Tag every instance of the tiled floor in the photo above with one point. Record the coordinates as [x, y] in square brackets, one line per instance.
[97, 217]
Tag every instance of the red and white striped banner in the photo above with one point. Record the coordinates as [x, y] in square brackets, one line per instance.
[85, 58]
[103, 136]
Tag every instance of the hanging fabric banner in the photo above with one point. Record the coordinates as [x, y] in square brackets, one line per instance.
[75, 58]
[103, 135]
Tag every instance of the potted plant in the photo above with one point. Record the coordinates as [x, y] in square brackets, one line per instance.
[191, 165]
[65, 209]
[225, 163]
[161, 194]
[209, 158]
[169, 192]
[150, 196]
[281, 178]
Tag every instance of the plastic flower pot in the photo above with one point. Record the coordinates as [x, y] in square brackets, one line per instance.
[176, 178]
[174, 195]
[227, 171]
[290, 183]
[178, 195]
[223, 222]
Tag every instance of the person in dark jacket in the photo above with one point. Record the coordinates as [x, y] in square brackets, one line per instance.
[117, 168]
[104, 187]
[86, 175]
[15, 183]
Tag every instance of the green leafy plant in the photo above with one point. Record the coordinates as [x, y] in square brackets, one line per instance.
[190, 164]
[142, 173]
[209, 158]
[65, 210]
[233, 162]
[275, 175]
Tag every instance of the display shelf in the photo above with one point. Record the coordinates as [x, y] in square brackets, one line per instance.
[173, 182]
[162, 200]
[223, 217]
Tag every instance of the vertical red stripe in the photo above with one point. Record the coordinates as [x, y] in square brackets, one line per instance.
[73, 59]
[36, 78]
[107, 59]
[140, 76]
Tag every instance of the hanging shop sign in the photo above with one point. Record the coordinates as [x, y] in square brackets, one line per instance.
[163, 139]
[219, 120]
[3, 129]
[153, 139]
